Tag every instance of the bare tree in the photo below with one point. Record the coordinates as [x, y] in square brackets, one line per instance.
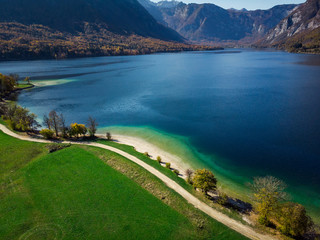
[92, 126]
[46, 121]
[55, 121]
[189, 173]
[62, 125]
[268, 192]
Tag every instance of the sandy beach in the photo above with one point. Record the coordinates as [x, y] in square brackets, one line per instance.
[143, 146]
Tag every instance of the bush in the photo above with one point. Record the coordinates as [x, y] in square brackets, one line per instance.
[222, 199]
[109, 137]
[146, 154]
[78, 129]
[168, 165]
[176, 171]
[12, 125]
[56, 147]
[159, 160]
[47, 133]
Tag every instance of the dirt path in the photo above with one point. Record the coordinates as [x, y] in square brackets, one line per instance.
[231, 223]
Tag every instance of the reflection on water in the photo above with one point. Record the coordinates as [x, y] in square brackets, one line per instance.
[311, 60]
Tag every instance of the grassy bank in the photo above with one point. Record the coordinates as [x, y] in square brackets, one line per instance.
[88, 193]
[22, 86]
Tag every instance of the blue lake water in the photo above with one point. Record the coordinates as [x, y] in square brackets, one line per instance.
[248, 112]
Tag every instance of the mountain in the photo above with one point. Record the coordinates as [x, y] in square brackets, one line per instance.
[167, 4]
[298, 32]
[42, 29]
[210, 23]
[122, 17]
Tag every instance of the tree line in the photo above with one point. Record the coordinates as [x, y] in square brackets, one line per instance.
[18, 41]
[21, 119]
[56, 127]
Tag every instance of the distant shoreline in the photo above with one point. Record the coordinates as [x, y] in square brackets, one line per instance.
[97, 56]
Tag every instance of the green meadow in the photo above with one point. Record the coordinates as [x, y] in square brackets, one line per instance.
[89, 193]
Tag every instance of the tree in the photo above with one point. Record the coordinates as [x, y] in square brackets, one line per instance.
[46, 121]
[268, 193]
[27, 80]
[293, 220]
[204, 180]
[77, 129]
[92, 126]
[109, 137]
[189, 173]
[54, 121]
[19, 118]
[7, 83]
[62, 125]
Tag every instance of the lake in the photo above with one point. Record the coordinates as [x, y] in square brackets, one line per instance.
[242, 113]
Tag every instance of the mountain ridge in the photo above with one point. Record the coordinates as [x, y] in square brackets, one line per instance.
[298, 32]
[211, 23]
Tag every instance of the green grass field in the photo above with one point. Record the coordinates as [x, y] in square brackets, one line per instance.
[155, 164]
[87, 193]
[169, 173]
[23, 86]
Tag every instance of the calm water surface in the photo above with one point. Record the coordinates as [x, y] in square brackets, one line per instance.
[259, 111]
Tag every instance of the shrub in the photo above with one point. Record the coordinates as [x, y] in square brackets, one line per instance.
[159, 160]
[12, 125]
[47, 133]
[109, 137]
[176, 171]
[78, 129]
[146, 154]
[222, 199]
[168, 165]
[56, 147]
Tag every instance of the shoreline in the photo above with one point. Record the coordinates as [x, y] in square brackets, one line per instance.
[154, 151]
[182, 162]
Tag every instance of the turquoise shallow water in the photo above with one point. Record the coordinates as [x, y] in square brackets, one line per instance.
[241, 113]
[231, 181]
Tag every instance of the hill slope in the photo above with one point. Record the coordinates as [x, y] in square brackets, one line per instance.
[208, 22]
[299, 32]
[44, 29]
[122, 17]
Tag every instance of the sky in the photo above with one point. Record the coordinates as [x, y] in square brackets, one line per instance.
[248, 4]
